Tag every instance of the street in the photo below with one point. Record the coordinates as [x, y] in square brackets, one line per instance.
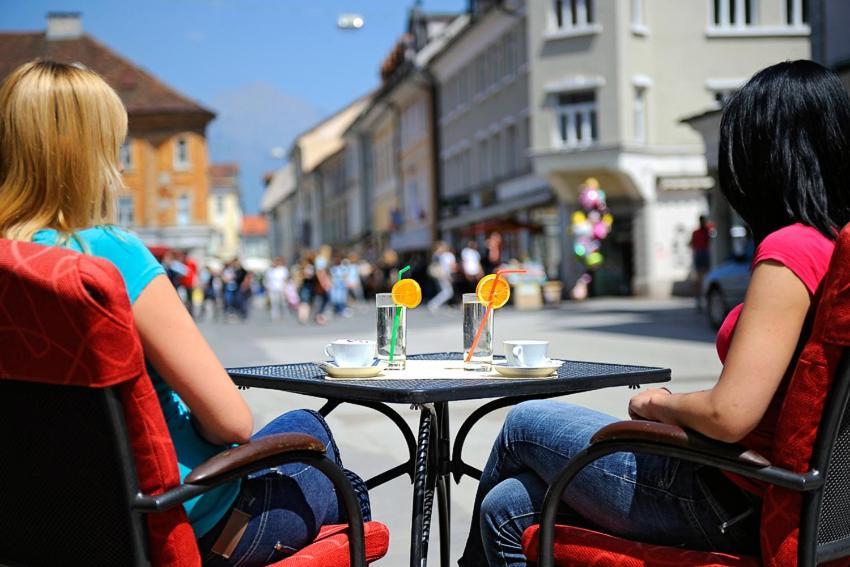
[666, 333]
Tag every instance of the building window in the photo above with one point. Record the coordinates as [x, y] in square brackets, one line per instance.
[734, 13]
[125, 154]
[219, 204]
[483, 162]
[640, 114]
[570, 14]
[637, 12]
[576, 119]
[125, 211]
[796, 12]
[511, 149]
[481, 63]
[525, 144]
[522, 40]
[496, 161]
[184, 202]
[181, 154]
[510, 53]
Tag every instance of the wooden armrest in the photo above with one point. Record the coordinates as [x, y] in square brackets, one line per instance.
[243, 455]
[665, 434]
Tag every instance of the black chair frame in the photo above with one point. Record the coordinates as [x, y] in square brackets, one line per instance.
[813, 484]
[135, 504]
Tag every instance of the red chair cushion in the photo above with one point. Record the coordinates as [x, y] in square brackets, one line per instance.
[576, 547]
[330, 548]
[65, 319]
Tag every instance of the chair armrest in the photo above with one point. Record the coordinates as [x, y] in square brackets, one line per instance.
[252, 456]
[654, 438]
[271, 451]
[675, 436]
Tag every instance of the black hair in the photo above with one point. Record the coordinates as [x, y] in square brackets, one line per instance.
[785, 149]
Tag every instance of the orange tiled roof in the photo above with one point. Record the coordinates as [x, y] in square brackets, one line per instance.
[224, 169]
[254, 225]
[140, 91]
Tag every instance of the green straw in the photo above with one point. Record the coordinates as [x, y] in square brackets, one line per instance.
[396, 318]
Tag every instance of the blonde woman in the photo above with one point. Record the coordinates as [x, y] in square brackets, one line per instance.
[61, 127]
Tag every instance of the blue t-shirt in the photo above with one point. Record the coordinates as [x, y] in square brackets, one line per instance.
[138, 267]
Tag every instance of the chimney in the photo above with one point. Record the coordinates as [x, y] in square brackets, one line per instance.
[64, 25]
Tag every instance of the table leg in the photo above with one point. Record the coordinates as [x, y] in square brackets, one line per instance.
[423, 490]
[443, 481]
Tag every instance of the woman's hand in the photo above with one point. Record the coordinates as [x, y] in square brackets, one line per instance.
[641, 405]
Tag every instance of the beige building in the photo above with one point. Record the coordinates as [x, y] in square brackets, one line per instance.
[610, 82]
[278, 204]
[309, 151]
[485, 125]
[391, 149]
[224, 210]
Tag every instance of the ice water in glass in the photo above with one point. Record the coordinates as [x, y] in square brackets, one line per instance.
[386, 316]
[473, 313]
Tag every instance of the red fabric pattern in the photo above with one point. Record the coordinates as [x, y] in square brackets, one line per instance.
[65, 319]
[578, 547]
[803, 406]
[330, 548]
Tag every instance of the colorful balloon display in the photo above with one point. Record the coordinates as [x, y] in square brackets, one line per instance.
[591, 225]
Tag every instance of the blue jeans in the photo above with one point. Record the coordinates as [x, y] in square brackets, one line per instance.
[286, 505]
[640, 497]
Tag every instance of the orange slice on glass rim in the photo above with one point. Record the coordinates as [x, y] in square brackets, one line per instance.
[407, 293]
[485, 289]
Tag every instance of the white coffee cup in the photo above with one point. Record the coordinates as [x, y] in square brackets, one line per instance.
[351, 353]
[528, 354]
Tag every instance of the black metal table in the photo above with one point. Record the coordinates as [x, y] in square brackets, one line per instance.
[432, 458]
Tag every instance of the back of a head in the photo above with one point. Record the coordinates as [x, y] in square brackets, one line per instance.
[784, 149]
[61, 127]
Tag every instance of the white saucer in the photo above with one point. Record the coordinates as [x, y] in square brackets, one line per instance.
[334, 371]
[548, 368]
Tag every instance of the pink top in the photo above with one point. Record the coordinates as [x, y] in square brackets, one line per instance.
[806, 252]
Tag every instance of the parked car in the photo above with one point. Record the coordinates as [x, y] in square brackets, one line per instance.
[724, 288]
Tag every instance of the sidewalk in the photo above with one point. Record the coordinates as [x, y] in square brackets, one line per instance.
[649, 332]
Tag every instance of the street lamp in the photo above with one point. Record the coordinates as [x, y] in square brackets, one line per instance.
[350, 22]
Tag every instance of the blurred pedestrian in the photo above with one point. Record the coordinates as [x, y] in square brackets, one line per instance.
[492, 258]
[274, 281]
[442, 269]
[701, 246]
[339, 286]
[470, 261]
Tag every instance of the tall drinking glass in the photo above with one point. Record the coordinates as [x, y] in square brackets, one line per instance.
[386, 317]
[473, 313]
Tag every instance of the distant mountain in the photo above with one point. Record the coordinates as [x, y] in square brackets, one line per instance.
[250, 121]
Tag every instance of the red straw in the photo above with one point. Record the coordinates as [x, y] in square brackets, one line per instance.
[487, 311]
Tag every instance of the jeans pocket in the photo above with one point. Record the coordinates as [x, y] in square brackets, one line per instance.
[731, 515]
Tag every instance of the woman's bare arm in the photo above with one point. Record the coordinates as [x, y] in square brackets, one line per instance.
[765, 339]
[178, 351]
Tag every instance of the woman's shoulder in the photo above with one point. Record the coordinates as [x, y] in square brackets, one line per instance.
[108, 235]
[802, 249]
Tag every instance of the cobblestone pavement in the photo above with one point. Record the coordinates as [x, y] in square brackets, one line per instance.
[648, 332]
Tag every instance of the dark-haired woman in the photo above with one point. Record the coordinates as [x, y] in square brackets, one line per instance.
[784, 167]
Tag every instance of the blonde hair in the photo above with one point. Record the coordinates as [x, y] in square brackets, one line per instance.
[61, 128]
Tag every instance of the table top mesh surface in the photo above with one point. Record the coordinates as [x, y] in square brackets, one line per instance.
[572, 376]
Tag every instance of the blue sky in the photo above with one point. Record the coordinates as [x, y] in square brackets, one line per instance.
[270, 68]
